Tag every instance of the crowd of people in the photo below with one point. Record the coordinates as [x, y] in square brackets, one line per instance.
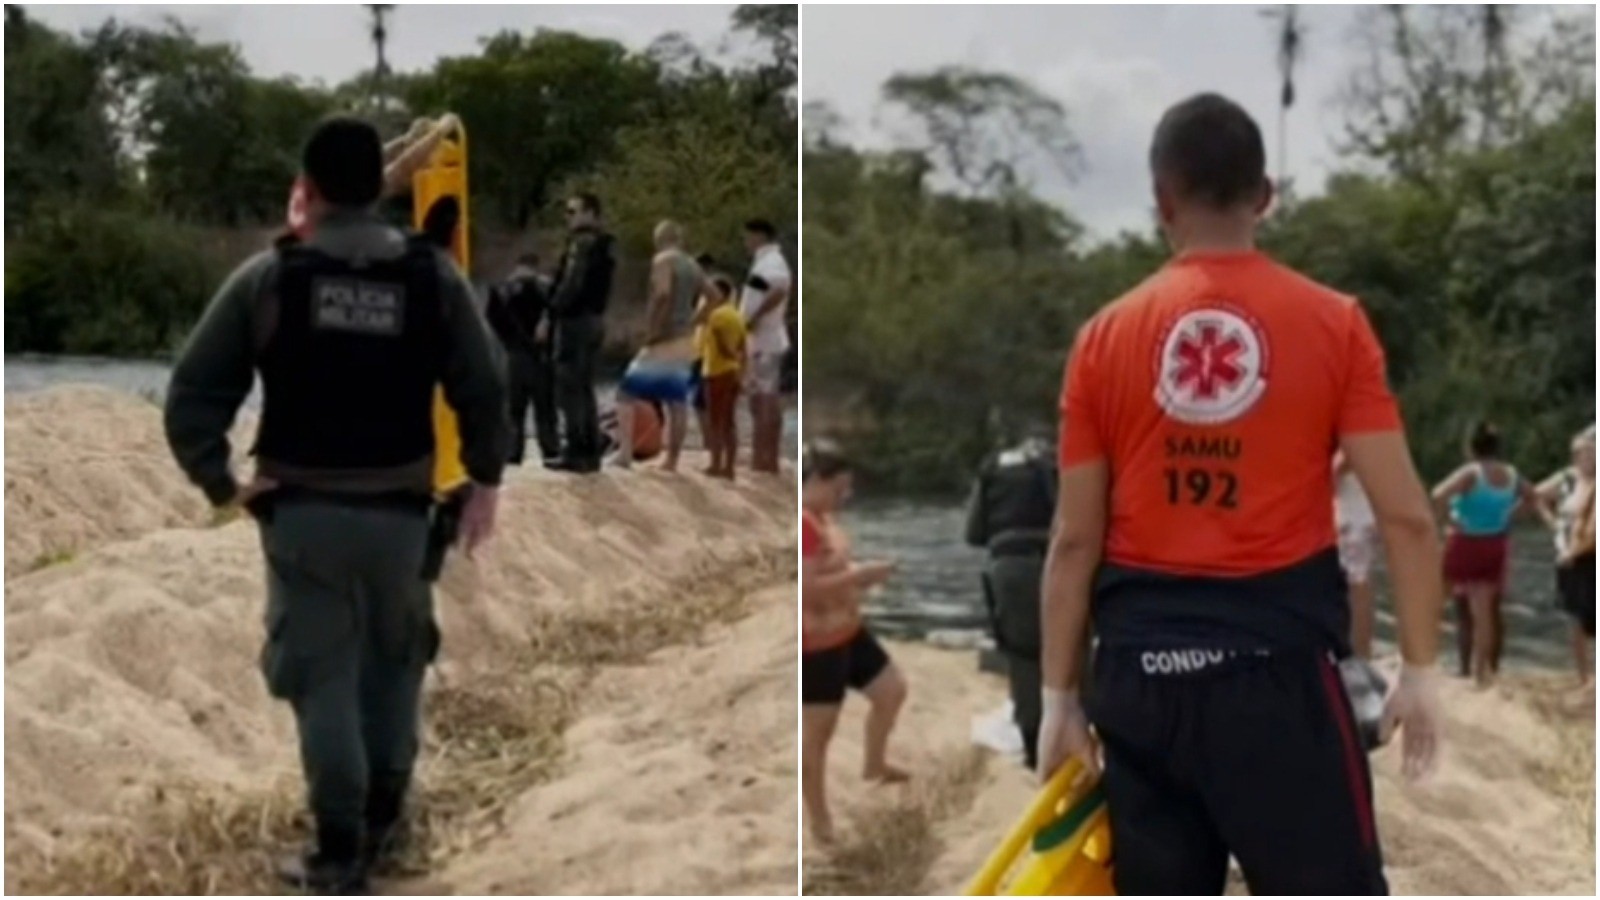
[1217, 518]
[703, 346]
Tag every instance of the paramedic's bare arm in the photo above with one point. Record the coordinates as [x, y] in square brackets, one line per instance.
[1077, 539]
[1382, 463]
[473, 379]
[211, 379]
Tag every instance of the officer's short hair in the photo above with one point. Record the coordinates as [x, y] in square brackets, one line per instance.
[344, 159]
[824, 458]
[763, 228]
[531, 260]
[1209, 150]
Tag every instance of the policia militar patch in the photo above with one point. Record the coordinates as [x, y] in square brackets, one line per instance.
[358, 307]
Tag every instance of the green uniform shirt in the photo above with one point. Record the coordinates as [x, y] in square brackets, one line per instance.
[216, 369]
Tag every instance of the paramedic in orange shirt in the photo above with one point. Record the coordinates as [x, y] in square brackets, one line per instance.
[1199, 412]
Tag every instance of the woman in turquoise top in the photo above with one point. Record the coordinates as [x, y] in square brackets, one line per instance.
[1481, 499]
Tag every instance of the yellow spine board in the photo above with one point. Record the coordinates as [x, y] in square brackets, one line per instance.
[446, 175]
[1078, 866]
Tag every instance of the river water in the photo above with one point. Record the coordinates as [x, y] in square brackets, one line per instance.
[148, 378]
[937, 586]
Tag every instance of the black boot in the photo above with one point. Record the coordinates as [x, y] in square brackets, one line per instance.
[386, 823]
[335, 868]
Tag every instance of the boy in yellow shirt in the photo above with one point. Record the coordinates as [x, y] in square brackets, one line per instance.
[722, 362]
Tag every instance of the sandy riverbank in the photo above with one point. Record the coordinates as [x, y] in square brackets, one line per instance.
[625, 644]
[1510, 811]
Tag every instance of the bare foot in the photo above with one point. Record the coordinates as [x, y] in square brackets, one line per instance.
[887, 775]
[822, 832]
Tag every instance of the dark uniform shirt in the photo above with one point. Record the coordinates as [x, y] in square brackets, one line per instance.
[1013, 501]
[583, 284]
[515, 309]
[216, 369]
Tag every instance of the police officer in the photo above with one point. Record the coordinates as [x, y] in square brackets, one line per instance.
[577, 314]
[515, 309]
[350, 332]
[1009, 514]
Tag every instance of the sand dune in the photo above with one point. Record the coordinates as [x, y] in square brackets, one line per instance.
[1510, 811]
[131, 676]
[686, 764]
[84, 466]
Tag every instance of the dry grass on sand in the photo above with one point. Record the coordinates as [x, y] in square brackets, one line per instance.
[890, 848]
[490, 739]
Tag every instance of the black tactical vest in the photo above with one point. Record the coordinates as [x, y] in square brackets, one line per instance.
[349, 364]
[1019, 502]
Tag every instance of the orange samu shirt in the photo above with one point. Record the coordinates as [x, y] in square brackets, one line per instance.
[1216, 392]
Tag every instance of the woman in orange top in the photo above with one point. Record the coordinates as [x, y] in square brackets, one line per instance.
[837, 651]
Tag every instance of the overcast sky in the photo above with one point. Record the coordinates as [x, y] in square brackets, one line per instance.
[330, 42]
[1115, 68]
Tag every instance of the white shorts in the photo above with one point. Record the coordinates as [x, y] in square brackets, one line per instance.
[1358, 548]
[763, 374]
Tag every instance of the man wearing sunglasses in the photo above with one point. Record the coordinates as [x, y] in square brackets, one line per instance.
[577, 313]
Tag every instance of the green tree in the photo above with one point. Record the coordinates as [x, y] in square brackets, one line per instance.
[1440, 80]
[59, 140]
[539, 109]
[985, 128]
[212, 143]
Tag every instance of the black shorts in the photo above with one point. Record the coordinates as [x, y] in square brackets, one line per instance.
[825, 675]
[1576, 584]
[1253, 756]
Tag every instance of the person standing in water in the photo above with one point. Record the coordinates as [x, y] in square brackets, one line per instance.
[663, 370]
[350, 330]
[1480, 500]
[837, 651]
[1197, 414]
[1358, 549]
[1571, 493]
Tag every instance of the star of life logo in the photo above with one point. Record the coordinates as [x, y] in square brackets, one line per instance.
[1212, 366]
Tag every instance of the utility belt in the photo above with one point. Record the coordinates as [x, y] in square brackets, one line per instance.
[1020, 542]
[444, 513]
[262, 505]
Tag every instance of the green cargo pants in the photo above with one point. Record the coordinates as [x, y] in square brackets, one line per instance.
[350, 633]
[1012, 583]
